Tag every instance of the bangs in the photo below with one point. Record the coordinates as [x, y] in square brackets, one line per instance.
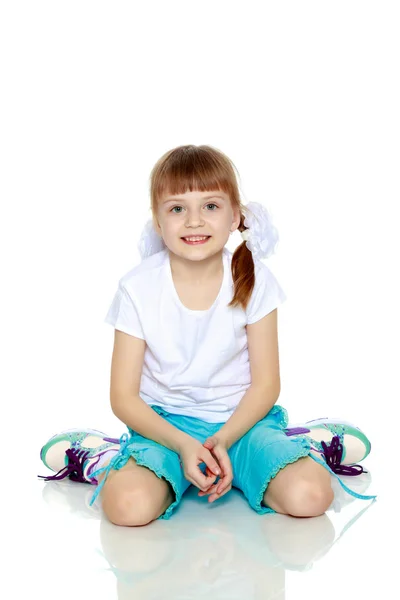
[191, 168]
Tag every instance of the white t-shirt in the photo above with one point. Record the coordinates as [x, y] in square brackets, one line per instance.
[196, 362]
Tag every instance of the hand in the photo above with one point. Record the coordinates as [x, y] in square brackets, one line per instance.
[193, 453]
[219, 450]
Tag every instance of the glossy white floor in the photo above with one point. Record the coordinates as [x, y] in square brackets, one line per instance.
[222, 550]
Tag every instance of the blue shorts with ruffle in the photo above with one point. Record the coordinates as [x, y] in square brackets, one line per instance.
[256, 458]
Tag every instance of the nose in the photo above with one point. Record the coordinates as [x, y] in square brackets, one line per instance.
[194, 219]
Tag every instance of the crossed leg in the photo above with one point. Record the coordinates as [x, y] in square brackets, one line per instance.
[135, 496]
[301, 489]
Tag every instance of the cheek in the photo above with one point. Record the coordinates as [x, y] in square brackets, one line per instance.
[172, 229]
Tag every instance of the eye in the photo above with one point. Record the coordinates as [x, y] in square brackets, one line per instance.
[210, 204]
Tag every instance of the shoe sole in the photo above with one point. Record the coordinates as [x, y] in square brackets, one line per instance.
[46, 446]
[351, 430]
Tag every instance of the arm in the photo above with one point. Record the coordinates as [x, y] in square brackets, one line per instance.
[254, 406]
[262, 342]
[126, 403]
[139, 416]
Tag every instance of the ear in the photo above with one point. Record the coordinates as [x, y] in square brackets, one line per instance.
[236, 218]
[156, 225]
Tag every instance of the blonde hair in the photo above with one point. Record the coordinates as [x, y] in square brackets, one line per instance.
[204, 168]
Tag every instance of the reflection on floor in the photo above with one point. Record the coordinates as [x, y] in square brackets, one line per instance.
[219, 550]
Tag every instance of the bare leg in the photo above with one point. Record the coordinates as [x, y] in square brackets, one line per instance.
[301, 489]
[134, 495]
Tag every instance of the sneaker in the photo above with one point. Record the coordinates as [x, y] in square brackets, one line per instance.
[342, 443]
[75, 453]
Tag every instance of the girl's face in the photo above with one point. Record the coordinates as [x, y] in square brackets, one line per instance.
[196, 213]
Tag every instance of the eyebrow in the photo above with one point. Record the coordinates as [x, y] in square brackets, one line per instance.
[180, 199]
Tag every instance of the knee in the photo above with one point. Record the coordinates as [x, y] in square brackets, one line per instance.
[309, 498]
[128, 508]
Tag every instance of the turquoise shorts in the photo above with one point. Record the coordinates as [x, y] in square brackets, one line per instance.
[256, 457]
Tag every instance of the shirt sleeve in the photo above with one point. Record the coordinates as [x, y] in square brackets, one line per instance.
[266, 296]
[123, 314]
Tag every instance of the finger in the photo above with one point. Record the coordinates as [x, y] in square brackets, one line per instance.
[212, 471]
[226, 479]
[200, 484]
[222, 487]
[198, 479]
[216, 496]
[227, 475]
[208, 472]
[204, 481]
[215, 479]
[213, 483]
[225, 462]
[211, 463]
[211, 474]
[218, 486]
[210, 490]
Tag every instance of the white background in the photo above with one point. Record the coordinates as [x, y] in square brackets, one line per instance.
[302, 96]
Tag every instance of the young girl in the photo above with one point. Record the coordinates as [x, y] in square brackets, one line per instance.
[195, 366]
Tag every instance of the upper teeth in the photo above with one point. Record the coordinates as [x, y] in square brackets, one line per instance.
[196, 239]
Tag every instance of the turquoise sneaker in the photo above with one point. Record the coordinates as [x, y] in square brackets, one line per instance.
[75, 453]
[342, 443]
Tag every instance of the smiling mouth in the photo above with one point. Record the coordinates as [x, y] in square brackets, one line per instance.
[202, 240]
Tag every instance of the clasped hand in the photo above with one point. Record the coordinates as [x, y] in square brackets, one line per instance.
[214, 454]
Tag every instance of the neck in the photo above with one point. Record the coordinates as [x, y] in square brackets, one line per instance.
[196, 272]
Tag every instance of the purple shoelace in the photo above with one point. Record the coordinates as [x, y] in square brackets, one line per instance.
[333, 453]
[74, 468]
